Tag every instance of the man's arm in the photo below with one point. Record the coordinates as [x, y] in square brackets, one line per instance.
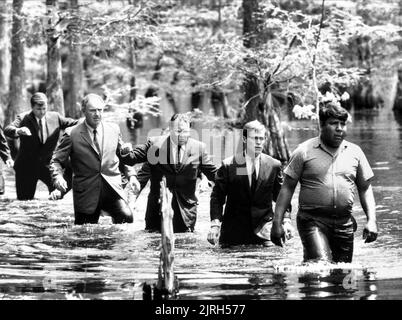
[282, 204]
[367, 201]
[14, 129]
[58, 162]
[218, 199]
[65, 122]
[4, 149]
[130, 156]
[287, 222]
[206, 166]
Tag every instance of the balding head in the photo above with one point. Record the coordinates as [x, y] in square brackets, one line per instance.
[92, 106]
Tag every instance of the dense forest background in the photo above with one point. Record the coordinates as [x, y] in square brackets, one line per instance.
[228, 61]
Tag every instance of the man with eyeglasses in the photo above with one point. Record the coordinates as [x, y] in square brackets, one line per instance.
[246, 184]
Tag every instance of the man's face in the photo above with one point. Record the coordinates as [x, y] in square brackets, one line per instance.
[333, 131]
[93, 112]
[39, 110]
[255, 142]
[180, 132]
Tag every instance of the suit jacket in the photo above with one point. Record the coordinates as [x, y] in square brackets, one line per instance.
[32, 153]
[244, 211]
[88, 166]
[181, 181]
[4, 149]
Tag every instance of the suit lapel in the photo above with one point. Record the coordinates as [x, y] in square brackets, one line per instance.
[87, 138]
[187, 152]
[105, 133]
[51, 125]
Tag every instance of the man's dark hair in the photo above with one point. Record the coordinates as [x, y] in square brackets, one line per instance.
[180, 117]
[38, 98]
[332, 110]
[252, 125]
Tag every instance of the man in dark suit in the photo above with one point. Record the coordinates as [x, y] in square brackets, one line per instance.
[5, 156]
[248, 183]
[94, 148]
[39, 132]
[180, 159]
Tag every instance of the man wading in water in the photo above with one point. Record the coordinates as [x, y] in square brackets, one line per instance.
[328, 168]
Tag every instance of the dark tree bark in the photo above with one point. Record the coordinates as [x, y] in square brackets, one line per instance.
[169, 93]
[136, 119]
[257, 92]
[54, 89]
[398, 98]
[218, 102]
[75, 68]
[4, 54]
[17, 94]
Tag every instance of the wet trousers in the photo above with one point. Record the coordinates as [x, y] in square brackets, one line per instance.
[326, 238]
[112, 204]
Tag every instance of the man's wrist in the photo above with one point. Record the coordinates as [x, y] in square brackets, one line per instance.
[287, 220]
[215, 223]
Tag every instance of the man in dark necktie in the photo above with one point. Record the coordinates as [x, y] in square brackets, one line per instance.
[38, 132]
[181, 160]
[247, 183]
[95, 149]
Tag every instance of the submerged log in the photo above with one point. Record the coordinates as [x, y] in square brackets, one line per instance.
[167, 285]
[166, 273]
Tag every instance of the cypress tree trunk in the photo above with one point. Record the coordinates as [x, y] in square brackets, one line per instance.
[258, 97]
[251, 86]
[4, 54]
[54, 89]
[17, 93]
[75, 68]
[398, 98]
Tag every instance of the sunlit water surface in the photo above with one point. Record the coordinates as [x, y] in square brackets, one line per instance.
[44, 256]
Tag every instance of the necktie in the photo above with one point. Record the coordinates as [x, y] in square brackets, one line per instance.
[41, 131]
[253, 178]
[96, 143]
[178, 158]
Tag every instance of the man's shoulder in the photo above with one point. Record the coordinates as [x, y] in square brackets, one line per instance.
[229, 161]
[353, 147]
[24, 115]
[158, 140]
[111, 125]
[307, 145]
[270, 160]
[74, 129]
[194, 143]
[53, 114]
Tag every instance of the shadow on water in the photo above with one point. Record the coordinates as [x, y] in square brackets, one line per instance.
[44, 256]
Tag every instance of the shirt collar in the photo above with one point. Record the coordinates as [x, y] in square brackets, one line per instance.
[257, 158]
[90, 129]
[175, 146]
[37, 119]
[318, 143]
